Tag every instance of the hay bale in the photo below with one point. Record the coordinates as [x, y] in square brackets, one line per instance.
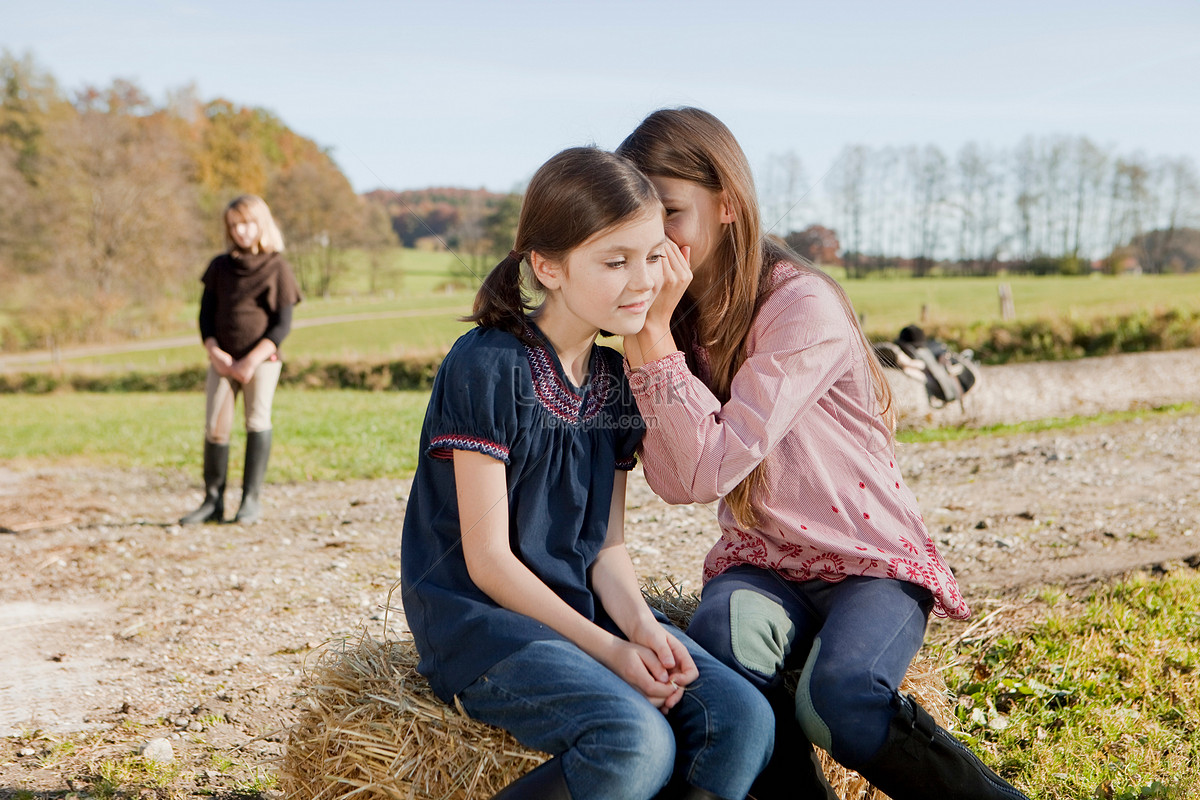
[372, 728]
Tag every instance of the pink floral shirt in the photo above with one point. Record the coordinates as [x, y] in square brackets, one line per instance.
[834, 503]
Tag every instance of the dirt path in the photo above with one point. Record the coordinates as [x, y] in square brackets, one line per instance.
[121, 626]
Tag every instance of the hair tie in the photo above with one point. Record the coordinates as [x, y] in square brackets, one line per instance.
[515, 256]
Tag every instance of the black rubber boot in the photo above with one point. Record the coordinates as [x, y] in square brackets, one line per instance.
[794, 769]
[544, 782]
[258, 452]
[216, 463]
[920, 760]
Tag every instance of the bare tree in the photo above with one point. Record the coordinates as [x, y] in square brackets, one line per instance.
[928, 170]
[1090, 164]
[1128, 200]
[1175, 191]
[849, 187]
[1027, 181]
[320, 216]
[784, 189]
[890, 201]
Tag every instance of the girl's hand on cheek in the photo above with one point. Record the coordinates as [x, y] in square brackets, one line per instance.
[655, 340]
[677, 275]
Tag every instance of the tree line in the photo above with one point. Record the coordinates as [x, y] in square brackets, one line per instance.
[110, 203]
[110, 206]
[1050, 204]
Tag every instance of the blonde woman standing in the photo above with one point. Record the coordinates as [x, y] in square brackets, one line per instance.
[245, 314]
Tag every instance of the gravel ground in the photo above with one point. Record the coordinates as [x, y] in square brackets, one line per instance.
[121, 627]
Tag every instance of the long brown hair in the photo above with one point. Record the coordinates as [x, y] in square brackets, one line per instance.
[693, 145]
[572, 197]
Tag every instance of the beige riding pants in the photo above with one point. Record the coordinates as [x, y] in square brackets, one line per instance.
[221, 397]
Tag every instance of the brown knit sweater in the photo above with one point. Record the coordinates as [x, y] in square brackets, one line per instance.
[246, 298]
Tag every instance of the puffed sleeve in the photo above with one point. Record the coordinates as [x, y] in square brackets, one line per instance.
[286, 289]
[476, 399]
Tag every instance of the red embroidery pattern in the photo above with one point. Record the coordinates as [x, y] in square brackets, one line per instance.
[907, 570]
[826, 564]
[442, 447]
[558, 398]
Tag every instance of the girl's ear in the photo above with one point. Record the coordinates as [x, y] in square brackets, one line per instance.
[547, 272]
[727, 214]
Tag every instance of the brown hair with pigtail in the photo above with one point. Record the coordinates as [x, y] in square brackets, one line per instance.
[575, 195]
[693, 145]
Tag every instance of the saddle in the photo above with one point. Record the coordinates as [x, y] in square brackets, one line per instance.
[946, 375]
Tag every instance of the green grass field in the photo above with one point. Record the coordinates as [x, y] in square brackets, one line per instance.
[1093, 697]
[888, 304]
[321, 435]
[413, 312]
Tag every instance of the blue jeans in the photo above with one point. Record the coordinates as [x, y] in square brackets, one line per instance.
[614, 745]
[852, 641]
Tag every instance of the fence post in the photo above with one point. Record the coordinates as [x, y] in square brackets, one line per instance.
[1007, 310]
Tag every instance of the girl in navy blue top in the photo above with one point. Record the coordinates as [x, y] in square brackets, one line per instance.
[521, 596]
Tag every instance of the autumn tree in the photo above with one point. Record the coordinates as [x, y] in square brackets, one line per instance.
[320, 216]
[30, 103]
[110, 202]
[376, 237]
[816, 243]
[127, 231]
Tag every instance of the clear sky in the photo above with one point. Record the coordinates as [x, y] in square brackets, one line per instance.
[472, 93]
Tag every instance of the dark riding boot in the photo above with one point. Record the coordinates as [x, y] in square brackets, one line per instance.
[258, 451]
[543, 782]
[794, 769]
[921, 760]
[216, 463]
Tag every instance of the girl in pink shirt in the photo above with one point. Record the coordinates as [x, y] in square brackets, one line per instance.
[776, 406]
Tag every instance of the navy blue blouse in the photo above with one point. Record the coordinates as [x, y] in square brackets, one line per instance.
[562, 445]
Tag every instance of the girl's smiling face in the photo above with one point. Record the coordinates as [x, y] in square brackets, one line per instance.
[608, 282]
[244, 232]
[696, 217]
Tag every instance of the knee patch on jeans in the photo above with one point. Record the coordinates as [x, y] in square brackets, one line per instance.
[806, 713]
[760, 632]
